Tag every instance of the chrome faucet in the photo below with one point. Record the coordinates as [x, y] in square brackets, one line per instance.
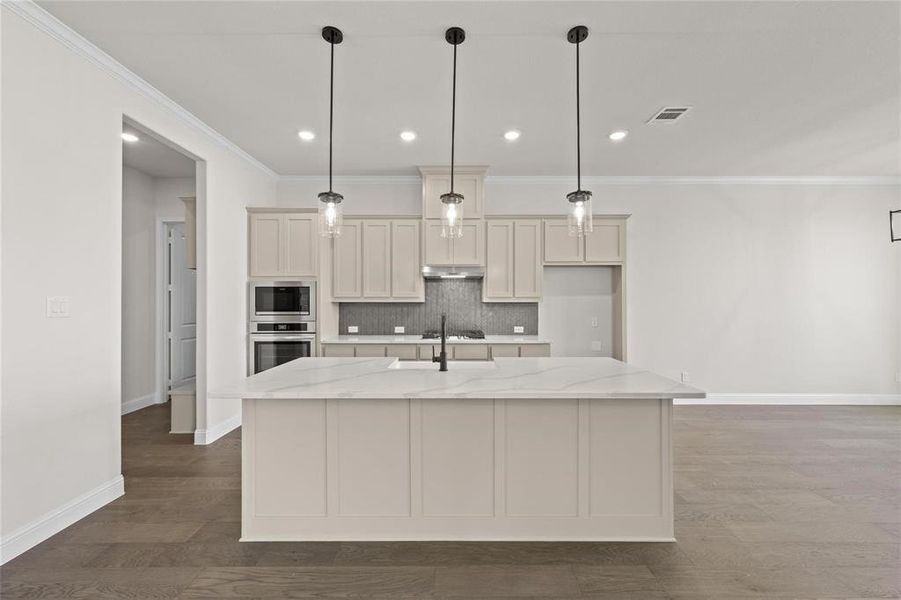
[442, 356]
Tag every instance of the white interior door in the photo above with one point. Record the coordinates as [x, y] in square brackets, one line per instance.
[181, 294]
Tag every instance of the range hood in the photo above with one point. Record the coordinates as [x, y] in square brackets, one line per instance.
[453, 272]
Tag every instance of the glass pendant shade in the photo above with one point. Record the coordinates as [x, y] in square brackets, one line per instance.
[579, 217]
[451, 215]
[331, 214]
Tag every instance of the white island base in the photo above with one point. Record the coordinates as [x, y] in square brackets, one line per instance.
[442, 465]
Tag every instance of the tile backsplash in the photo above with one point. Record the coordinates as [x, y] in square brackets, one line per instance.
[460, 299]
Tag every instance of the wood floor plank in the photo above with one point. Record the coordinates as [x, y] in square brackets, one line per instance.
[772, 502]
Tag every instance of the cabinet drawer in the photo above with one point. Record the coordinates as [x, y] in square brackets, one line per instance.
[534, 350]
[401, 351]
[504, 351]
[337, 350]
[367, 350]
[471, 352]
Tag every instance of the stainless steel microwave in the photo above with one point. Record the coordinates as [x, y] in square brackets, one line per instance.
[282, 301]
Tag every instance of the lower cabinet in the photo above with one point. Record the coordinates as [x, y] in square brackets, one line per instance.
[425, 351]
[401, 351]
[520, 350]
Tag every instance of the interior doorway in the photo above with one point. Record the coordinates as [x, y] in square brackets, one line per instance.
[180, 304]
[159, 277]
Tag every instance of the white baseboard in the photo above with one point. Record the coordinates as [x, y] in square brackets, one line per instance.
[203, 437]
[143, 402]
[798, 399]
[53, 522]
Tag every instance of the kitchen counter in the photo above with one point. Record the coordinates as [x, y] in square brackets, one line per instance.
[568, 449]
[372, 378]
[418, 339]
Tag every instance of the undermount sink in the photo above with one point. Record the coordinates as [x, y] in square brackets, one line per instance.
[452, 365]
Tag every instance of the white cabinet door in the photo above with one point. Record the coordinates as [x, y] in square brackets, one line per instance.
[606, 243]
[559, 246]
[346, 261]
[376, 258]
[467, 182]
[406, 268]
[437, 248]
[469, 250]
[498, 260]
[266, 258]
[527, 268]
[301, 242]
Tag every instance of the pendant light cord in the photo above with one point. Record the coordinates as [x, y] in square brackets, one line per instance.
[331, 111]
[578, 127]
[453, 118]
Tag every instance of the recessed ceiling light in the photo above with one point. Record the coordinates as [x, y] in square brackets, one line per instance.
[129, 137]
[306, 136]
[617, 136]
[408, 136]
[512, 135]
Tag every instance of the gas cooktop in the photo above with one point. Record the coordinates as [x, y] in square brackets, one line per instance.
[466, 334]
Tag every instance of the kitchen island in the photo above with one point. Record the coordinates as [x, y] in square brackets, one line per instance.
[515, 449]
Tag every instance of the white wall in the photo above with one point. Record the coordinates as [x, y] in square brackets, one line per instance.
[577, 309]
[62, 235]
[750, 288]
[138, 287]
[167, 194]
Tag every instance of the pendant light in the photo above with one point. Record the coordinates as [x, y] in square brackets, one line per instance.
[579, 214]
[452, 202]
[331, 215]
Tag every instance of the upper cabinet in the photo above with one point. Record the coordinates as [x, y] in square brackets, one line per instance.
[466, 251]
[606, 245]
[468, 181]
[378, 260]
[283, 244]
[513, 269]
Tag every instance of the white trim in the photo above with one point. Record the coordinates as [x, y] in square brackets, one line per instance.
[353, 179]
[689, 180]
[798, 399]
[203, 437]
[134, 404]
[43, 20]
[609, 180]
[32, 534]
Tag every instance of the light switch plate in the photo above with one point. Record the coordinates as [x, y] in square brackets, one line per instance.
[399, 329]
[519, 329]
[596, 346]
[57, 307]
[594, 321]
[685, 377]
[353, 329]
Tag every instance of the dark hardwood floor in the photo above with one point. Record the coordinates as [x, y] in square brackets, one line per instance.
[771, 502]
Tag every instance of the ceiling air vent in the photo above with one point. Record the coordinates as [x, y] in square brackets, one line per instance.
[668, 114]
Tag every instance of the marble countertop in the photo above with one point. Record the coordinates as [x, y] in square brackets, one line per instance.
[374, 378]
[417, 339]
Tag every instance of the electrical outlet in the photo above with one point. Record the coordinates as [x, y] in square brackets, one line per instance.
[353, 329]
[57, 307]
[686, 378]
[399, 329]
[519, 329]
[594, 321]
[596, 346]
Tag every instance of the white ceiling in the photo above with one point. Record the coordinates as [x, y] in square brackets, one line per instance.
[778, 88]
[155, 158]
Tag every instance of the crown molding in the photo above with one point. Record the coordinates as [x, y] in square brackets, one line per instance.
[886, 180]
[62, 33]
[339, 180]
[692, 180]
